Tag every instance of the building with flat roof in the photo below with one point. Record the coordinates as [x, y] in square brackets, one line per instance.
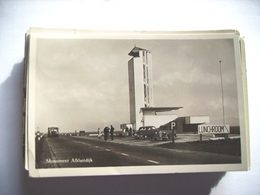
[156, 116]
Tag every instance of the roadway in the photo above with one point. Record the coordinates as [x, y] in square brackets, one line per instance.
[83, 151]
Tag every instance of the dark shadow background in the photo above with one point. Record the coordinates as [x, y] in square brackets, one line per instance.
[14, 179]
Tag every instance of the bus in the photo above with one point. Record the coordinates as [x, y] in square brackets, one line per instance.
[53, 131]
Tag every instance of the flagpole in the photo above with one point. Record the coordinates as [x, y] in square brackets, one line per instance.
[222, 92]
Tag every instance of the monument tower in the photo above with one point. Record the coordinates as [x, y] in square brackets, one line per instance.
[142, 109]
[140, 84]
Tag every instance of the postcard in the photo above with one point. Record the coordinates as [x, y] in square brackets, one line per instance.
[120, 103]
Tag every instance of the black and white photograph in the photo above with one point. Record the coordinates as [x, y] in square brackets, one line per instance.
[133, 103]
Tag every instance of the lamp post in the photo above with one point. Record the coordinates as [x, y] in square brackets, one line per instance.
[222, 93]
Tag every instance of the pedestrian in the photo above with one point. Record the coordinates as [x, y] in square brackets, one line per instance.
[106, 131]
[130, 131]
[99, 133]
[112, 132]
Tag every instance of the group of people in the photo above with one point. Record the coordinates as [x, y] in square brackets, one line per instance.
[107, 130]
[129, 132]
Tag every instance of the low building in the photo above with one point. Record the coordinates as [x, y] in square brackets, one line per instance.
[186, 124]
[156, 116]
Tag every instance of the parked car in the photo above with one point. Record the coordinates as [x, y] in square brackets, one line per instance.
[145, 132]
[153, 133]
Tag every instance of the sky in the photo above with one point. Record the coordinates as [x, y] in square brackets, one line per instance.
[83, 84]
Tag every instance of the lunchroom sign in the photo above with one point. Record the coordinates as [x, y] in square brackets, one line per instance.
[213, 129]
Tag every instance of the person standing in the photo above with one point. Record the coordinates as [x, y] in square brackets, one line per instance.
[127, 131]
[106, 131]
[99, 133]
[130, 131]
[112, 132]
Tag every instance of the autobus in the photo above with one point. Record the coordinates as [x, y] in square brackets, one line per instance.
[53, 131]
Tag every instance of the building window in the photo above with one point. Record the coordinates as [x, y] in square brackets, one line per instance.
[144, 71]
[147, 75]
[148, 95]
[145, 92]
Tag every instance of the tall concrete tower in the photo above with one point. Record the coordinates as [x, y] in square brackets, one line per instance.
[140, 84]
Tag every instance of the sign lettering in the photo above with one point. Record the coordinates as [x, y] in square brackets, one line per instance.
[213, 129]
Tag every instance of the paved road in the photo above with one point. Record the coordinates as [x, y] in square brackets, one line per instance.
[91, 152]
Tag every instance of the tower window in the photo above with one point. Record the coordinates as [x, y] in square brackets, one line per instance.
[148, 95]
[145, 92]
[144, 71]
[144, 57]
[147, 75]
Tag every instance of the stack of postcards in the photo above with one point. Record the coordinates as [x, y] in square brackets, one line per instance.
[120, 103]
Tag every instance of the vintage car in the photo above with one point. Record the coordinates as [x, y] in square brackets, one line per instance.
[145, 132]
[151, 132]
